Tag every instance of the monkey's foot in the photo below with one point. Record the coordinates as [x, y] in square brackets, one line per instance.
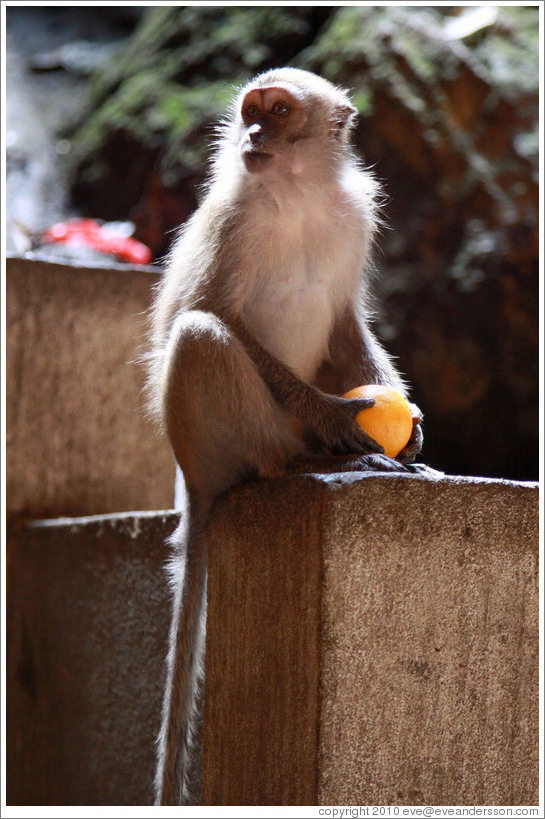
[375, 463]
[355, 463]
[422, 469]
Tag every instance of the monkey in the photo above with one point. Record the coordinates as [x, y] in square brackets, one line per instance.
[260, 323]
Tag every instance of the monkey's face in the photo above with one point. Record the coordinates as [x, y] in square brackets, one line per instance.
[286, 126]
[273, 119]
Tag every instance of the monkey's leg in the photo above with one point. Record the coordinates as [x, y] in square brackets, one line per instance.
[222, 420]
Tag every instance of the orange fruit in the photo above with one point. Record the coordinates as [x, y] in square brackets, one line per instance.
[389, 421]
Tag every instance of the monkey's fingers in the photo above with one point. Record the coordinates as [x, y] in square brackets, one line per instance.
[359, 404]
[416, 414]
[363, 443]
[355, 447]
[353, 440]
[366, 445]
[341, 432]
[414, 446]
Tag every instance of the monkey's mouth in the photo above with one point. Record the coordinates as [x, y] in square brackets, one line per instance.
[254, 159]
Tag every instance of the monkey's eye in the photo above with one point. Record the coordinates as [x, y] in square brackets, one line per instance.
[251, 110]
[280, 109]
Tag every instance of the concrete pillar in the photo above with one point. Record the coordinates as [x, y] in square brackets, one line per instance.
[77, 440]
[373, 641]
[87, 623]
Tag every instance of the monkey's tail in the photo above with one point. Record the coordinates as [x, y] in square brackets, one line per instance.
[178, 776]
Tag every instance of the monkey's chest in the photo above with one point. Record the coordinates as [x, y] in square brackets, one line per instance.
[300, 269]
[290, 309]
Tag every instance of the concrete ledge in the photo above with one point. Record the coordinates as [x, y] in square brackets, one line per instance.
[87, 624]
[77, 441]
[371, 640]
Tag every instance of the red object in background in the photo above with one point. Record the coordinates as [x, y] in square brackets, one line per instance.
[89, 233]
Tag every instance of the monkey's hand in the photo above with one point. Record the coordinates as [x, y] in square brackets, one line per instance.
[414, 445]
[334, 423]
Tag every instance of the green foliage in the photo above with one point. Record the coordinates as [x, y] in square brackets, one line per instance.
[177, 74]
[407, 49]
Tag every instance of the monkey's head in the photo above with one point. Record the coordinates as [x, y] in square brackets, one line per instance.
[287, 108]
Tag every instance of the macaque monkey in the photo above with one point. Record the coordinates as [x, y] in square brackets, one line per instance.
[260, 324]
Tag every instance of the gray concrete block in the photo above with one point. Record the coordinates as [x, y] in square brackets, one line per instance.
[77, 441]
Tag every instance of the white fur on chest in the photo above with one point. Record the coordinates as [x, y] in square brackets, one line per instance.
[306, 267]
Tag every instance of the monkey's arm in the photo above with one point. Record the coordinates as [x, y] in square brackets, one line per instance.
[357, 358]
[330, 417]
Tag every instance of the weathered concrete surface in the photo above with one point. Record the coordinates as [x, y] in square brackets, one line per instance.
[375, 642]
[87, 620]
[77, 440]
[371, 640]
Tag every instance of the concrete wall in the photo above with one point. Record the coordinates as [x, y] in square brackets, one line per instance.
[77, 440]
[371, 640]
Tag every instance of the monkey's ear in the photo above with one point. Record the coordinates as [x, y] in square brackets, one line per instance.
[342, 118]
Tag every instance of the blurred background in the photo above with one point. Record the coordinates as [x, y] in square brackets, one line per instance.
[110, 114]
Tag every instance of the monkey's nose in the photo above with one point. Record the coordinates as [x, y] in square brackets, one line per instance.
[255, 132]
